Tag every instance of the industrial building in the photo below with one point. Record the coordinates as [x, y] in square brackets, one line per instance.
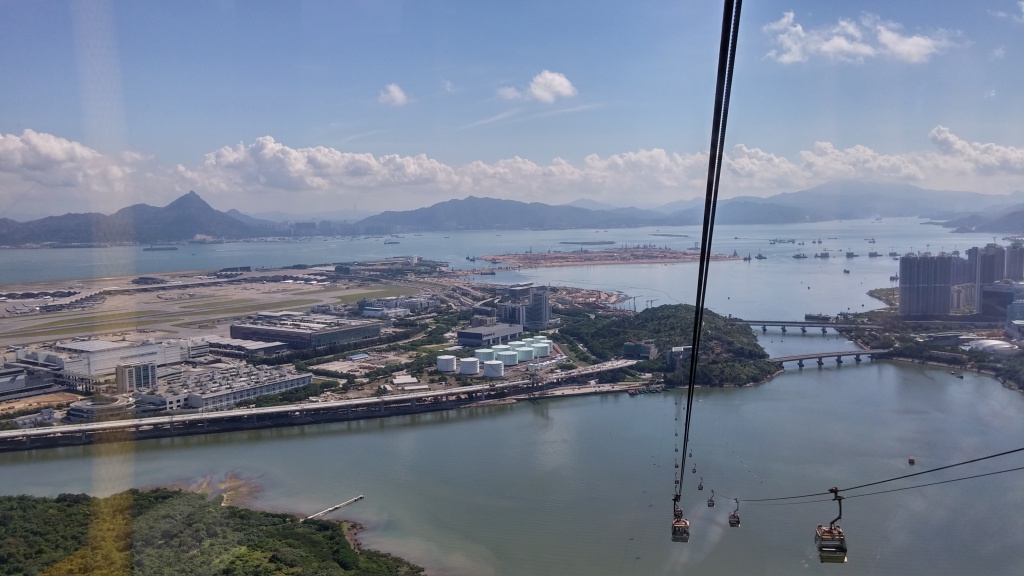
[304, 331]
[528, 306]
[219, 386]
[238, 348]
[20, 381]
[98, 359]
[488, 335]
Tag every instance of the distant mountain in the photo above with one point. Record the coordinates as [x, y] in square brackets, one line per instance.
[333, 216]
[590, 204]
[680, 205]
[257, 222]
[851, 199]
[183, 219]
[474, 213]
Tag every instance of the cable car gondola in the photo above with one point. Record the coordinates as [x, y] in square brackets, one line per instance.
[830, 540]
[711, 501]
[734, 516]
[701, 485]
[680, 525]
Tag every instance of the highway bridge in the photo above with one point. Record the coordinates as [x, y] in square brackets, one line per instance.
[290, 415]
[803, 326]
[821, 356]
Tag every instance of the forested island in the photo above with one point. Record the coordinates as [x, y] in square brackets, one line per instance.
[173, 532]
[729, 354]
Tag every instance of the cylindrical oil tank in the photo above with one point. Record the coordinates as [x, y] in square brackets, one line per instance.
[541, 350]
[446, 363]
[469, 366]
[508, 357]
[494, 369]
[500, 348]
[484, 354]
[525, 353]
[529, 341]
[516, 344]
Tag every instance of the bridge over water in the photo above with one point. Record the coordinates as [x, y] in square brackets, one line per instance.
[803, 326]
[821, 356]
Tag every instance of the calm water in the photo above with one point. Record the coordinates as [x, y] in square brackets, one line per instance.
[582, 486]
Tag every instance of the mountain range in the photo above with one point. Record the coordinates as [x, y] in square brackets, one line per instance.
[190, 216]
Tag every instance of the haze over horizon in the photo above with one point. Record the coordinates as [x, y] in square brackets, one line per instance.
[319, 106]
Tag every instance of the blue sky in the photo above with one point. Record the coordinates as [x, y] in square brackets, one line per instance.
[323, 106]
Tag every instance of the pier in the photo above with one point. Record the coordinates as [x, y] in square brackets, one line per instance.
[821, 356]
[335, 507]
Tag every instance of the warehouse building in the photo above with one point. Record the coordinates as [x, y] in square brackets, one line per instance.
[304, 331]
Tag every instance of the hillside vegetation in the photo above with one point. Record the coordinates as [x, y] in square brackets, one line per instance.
[729, 352]
[171, 532]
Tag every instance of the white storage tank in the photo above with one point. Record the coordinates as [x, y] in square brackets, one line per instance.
[500, 348]
[516, 345]
[529, 341]
[508, 357]
[447, 363]
[494, 369]
[484, 354]
[469, 366]
[525, 353]
[541, 350]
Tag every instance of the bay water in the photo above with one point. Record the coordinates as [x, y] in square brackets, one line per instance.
[583, 485]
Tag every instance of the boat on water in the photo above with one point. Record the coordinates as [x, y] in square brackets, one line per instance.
[761, 256]
[392, 242]
[845, 271]
[747, 258]
[799, 255]
[159, 248]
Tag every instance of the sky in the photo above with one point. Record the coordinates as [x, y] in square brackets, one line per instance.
[324, 106]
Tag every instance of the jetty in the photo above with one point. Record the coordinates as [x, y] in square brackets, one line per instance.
[335, 507]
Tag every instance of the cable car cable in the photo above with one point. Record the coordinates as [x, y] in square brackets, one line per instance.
[723, 90]
[946, 467]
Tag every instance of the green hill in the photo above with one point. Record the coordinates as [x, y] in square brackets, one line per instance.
[729, 352]
[171, 532]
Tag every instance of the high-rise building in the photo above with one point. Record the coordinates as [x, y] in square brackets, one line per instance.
[926, 284]
[538, 310]
[1015, 262]
[988, 264]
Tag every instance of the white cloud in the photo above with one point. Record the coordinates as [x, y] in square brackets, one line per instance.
[43, 171]
[447, 86]
[990, 93]
[549, 86]
[997, 53]
[852, 41]
[40, 171]
[509, 93]
[546, 87]
[1020, 17]
[975, 157]
[392, 95]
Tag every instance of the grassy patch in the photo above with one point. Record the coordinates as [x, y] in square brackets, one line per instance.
[100, 328]
[199, 305]
[95, 318]
[376, 292]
